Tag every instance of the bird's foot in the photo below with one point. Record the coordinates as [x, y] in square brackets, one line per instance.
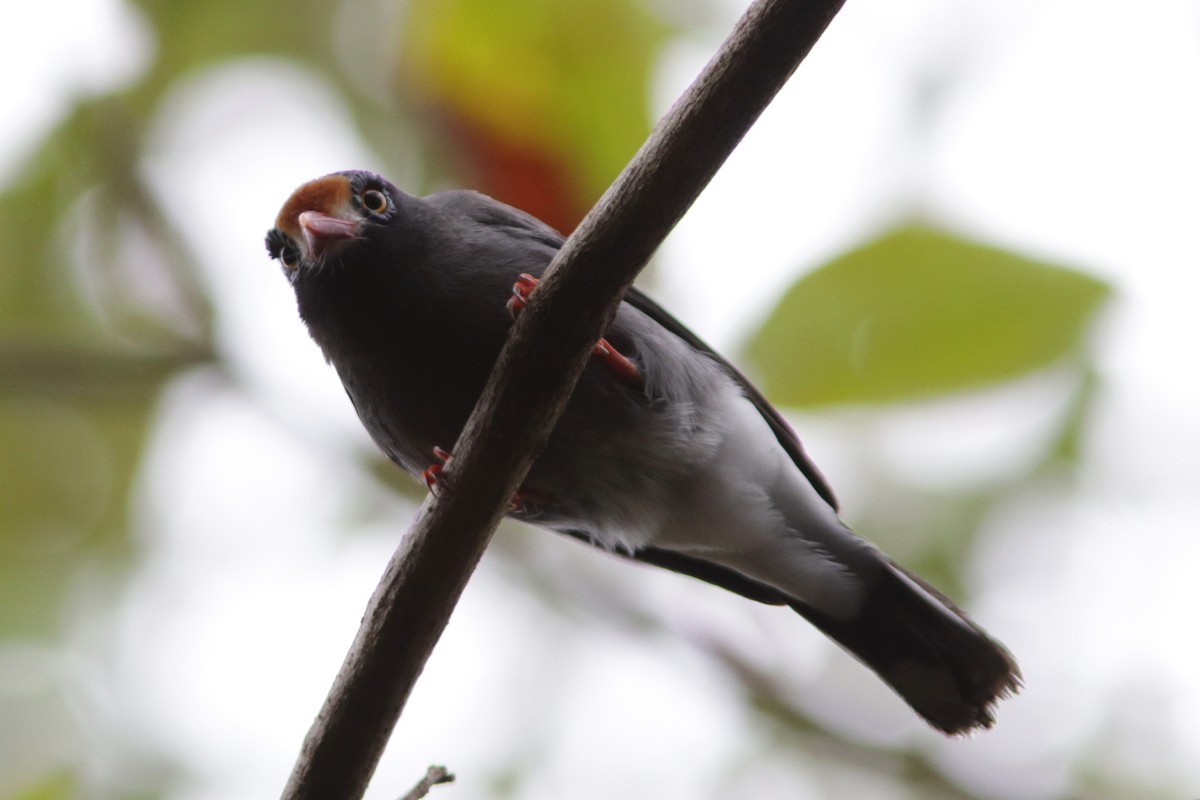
[433, 473]
[620, 366]
[520, 294]
[525, 501]
[529, 501]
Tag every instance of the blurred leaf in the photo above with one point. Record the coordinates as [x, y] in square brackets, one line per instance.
[66, 472]
[32, 272]
[80, 370]
[545, 99]
[60, 785]
[82, 358]
[191, 36]
[1068, 442]
[919, 312]
[85, 244]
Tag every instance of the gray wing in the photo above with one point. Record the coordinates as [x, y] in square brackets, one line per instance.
[782, 430]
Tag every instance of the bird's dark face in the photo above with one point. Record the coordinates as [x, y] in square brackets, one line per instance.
[325, 216]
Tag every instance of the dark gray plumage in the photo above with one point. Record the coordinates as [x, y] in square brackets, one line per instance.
[689, 469]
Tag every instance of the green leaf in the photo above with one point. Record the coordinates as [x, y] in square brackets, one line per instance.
[67, 469]
[919, 312]
[58, 785]
[542, 97]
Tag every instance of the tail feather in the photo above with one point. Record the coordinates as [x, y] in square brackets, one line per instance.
[940, 662]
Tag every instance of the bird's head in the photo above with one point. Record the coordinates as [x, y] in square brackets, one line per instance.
[325, 214]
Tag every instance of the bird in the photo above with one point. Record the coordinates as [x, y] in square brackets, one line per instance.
[666, 453]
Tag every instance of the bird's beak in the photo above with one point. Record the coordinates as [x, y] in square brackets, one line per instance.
[321, 230]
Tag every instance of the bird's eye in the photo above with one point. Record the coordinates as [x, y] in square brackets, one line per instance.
[289, 256]
[281, 247]
[374, 201]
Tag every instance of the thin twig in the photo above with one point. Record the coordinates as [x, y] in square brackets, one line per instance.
[433, 776]
[532, 383]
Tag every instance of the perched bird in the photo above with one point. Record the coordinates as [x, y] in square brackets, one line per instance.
[665, 453]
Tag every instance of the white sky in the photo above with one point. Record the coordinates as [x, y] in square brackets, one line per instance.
[1069, 130]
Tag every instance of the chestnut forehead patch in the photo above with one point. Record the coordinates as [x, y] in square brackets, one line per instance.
[329, 195]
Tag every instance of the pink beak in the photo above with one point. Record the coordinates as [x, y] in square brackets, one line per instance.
[321, 231]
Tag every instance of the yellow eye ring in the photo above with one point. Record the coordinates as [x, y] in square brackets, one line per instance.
[374, 201]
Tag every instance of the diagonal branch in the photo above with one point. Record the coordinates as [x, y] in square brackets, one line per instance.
[531, 384]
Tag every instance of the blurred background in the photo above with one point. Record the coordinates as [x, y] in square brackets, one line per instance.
[960, 249]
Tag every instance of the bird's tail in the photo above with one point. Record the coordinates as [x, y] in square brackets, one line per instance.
[943, 664]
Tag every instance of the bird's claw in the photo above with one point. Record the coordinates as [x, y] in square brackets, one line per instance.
[527, 501]
[432, 475]
[618, 364]
[520, 294]
[622, 367]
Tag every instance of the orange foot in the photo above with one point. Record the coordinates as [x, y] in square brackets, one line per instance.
[525, 501]
[433, 473]
[618, 364]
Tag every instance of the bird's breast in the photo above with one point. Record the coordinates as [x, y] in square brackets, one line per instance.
[413, 367]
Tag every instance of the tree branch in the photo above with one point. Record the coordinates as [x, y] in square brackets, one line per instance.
[531, 384]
